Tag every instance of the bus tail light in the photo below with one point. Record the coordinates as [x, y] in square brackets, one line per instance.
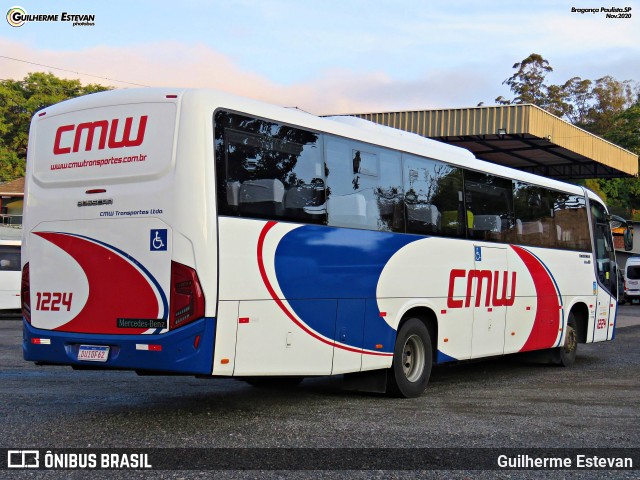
[187, 299]
[25, 294]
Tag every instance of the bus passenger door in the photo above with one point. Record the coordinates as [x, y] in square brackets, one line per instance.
[486, 292]
[605, 313]
[607, 280]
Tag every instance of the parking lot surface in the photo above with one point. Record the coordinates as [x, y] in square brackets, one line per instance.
[500, 403]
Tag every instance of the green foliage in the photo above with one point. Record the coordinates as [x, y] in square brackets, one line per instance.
[528, 82]
[19, 101]
[606, 107]
[625, 129]
[623, 194]
[11, 166]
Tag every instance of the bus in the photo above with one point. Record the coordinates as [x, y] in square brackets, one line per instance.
[9, 277]
[189, 231]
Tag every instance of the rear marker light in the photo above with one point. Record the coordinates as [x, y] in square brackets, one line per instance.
[96, 190]
[25, 294]
[383, 314]
[151, 348]
[187, 299]
[196, 342]
[42, 114]
[243, 320]
[172, 96]
[41, 341]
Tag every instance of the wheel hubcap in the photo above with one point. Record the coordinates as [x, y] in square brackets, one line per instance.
[413, 357]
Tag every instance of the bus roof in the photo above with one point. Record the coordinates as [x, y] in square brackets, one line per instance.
[205, 101]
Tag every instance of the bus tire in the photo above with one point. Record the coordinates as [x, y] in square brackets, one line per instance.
[412, 360]
[565, 355]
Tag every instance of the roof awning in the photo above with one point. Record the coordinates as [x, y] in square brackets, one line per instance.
[525, 137]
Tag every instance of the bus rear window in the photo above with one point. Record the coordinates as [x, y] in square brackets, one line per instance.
[9, 258]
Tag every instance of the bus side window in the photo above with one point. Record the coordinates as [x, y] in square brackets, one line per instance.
[268, 170]
[433, 198]
[364, 186]
[490, 200]
[536, 224]
[572, 223]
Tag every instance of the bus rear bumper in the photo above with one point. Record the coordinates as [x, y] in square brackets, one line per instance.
[186, 350]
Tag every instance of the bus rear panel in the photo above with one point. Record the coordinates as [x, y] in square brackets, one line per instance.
[107, 279]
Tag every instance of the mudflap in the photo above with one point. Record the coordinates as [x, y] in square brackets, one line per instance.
[372, 381]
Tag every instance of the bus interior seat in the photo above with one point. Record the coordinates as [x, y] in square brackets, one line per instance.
[529, 231]
[262, 197]
[233, 193]
[423, 215]
[304, 202]
[489, 223]
[354, 204]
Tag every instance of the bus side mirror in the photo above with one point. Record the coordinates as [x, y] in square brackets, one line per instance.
[628, 239]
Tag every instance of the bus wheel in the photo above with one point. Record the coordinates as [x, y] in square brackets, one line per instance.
[412, 360]
[566, 354]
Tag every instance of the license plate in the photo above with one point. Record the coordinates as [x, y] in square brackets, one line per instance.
[93, 353]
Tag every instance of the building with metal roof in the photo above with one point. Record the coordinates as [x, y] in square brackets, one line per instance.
[525, 137]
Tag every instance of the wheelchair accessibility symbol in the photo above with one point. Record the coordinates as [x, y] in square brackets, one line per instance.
[158, 240]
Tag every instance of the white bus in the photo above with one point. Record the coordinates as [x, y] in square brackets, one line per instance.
[9, 277]
[195, 232]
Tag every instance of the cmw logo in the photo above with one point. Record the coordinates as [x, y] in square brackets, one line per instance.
[495, 295]
[106, 130]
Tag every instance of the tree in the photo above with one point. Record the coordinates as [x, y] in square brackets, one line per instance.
[609, 99]
[592, 105]
[625, 129]
[606, 107]
[19, 101]
[528, 82]
[578, 97]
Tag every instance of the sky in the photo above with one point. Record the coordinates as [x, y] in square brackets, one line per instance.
[325, 56]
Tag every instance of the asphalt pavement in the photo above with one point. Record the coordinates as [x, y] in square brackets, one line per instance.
[497, 404]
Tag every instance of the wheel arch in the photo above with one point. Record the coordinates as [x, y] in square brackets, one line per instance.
[580, 312]
[427, 316]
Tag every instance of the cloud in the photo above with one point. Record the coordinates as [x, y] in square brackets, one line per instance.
[175, 64]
